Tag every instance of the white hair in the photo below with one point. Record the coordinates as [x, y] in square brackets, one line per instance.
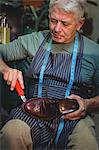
[76, 6]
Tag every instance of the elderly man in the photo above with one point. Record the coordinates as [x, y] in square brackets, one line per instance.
[65, 64]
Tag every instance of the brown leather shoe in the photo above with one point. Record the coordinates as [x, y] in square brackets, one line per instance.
[48, 109]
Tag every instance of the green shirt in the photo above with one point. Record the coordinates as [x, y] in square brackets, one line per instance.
[27, 46]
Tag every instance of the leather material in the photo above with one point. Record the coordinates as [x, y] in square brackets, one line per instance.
[47, 109]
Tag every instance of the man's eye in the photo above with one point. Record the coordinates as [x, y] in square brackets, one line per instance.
[53, 21]
[65, 24]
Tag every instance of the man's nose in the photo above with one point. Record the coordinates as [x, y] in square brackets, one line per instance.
[58, 27]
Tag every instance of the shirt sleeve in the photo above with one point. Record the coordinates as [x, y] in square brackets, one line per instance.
[24, 46]
[96, 78]
[92, 53]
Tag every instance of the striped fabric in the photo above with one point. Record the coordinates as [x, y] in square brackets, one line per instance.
[40, 129]
[56, 78]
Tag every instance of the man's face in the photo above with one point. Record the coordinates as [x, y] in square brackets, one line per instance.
[63, 25]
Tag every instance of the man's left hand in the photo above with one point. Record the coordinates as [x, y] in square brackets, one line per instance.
[81, 112]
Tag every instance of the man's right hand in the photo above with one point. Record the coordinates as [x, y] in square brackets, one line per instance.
[11, 75]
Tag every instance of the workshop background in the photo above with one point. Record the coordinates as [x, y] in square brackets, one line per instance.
[19, 17]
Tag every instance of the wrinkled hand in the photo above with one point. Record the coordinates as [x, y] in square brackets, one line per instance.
[11, 76]
[81, 112]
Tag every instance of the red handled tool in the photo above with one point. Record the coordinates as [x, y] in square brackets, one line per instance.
[20, 91]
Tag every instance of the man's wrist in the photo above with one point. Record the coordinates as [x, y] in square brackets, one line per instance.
[92, 104]
[3, 67]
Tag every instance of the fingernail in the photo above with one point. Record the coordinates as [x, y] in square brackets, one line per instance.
[11, 89]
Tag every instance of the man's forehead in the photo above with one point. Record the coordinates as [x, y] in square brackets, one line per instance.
[57, 11]
[63, 1]
[59, 1]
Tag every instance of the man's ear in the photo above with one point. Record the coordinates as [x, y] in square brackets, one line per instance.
[80, 23]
